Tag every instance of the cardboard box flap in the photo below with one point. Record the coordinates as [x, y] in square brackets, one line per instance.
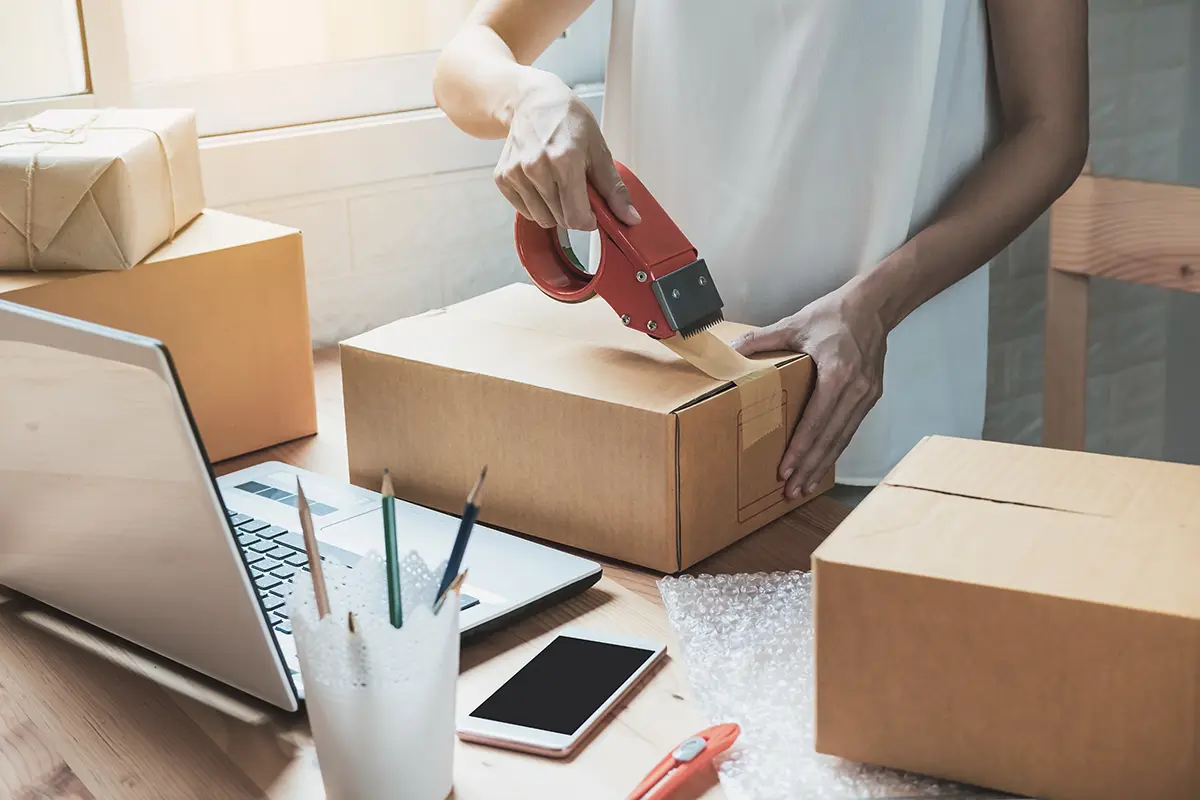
[519, 334]
[218, 230]
[1041, 551]
[14, 281]
[1006, 473]
[590, 321]
[212, 230]
[973, 512]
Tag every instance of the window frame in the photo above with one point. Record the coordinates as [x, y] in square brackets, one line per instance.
[293, 96]
[106, 65]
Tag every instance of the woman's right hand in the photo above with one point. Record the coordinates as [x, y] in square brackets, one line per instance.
[554, 148]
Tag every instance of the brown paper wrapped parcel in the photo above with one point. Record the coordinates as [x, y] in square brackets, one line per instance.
[96, 190]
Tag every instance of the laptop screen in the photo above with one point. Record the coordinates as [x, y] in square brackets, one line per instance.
[93, 451]
[108, 510]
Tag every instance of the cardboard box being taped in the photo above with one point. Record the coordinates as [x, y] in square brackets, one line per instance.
[228, 299]
[96, 190]
[1019, 618]
[595, 435]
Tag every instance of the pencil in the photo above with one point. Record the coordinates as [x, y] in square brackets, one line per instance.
[470, 513]
[356, 650]
[455, 587]
[391, 552]
[314, 554]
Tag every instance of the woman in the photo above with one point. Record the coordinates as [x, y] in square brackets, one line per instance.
[844, 166]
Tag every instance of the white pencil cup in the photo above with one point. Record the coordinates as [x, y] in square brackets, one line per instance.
[381, 699]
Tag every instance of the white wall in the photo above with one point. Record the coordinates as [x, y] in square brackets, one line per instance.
[400, 230]
[378, 252]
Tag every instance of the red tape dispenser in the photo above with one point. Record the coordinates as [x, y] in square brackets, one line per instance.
[649, 273]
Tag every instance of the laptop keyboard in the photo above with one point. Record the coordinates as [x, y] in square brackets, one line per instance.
[276, 556]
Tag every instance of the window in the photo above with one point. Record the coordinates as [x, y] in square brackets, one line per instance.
[247, 65]
[41, 50]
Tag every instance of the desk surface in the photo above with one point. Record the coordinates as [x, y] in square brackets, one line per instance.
[83, 717]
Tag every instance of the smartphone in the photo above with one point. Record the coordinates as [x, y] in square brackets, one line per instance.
[560, 696]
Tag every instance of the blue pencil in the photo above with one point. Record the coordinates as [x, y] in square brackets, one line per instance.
[470, 513]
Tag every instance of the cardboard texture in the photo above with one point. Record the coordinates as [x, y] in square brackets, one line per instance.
[228, 299]
[595, 436]
[96, 190]
[1019, 618]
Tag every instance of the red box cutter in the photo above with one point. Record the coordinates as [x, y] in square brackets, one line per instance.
[684, 761]
[649, 273]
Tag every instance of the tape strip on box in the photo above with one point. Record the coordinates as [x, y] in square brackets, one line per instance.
[756, 383]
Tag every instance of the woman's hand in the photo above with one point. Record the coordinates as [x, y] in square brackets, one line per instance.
[554, 147]
[845, 337]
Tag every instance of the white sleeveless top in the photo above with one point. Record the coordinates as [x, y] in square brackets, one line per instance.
[797, 143]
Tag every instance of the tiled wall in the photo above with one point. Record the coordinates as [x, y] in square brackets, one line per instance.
[1140, 90]
[382, 251]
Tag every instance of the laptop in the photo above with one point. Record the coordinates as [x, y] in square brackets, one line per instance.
[109, 512]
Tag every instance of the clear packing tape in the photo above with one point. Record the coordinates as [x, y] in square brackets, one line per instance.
[747, 647]
[757, 384]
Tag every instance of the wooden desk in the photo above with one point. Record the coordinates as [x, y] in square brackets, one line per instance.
[83, 717]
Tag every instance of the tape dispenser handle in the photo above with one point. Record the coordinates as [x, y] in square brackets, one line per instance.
[657, 240]
[544, 258]
[548, 264]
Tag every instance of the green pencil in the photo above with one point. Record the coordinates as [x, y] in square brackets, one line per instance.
[391, 552]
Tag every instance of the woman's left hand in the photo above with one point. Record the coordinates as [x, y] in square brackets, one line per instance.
[845, 337]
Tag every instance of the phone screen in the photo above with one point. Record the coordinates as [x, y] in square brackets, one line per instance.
[563, 685]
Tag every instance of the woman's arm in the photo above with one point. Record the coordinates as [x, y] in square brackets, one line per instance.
[1039, 50]
[553, 145]
[484, 71]
[1041, 61]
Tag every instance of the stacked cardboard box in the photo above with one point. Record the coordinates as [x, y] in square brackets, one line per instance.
[228, 299]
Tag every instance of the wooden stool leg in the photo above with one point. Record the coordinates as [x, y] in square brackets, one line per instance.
[1064, 393]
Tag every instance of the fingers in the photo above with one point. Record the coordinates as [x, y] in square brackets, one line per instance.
[550, 194]
[572, 192]
[550, 190]
[608, 183]
[514, 198]
[531, 198]
[763, 340]
[541, 177]
[857, 396]
[548, 183]
[840, 443]
[813, 425]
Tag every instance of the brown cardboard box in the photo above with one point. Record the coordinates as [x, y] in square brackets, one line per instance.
[595, 435]
[228, 298]
[1019, 618]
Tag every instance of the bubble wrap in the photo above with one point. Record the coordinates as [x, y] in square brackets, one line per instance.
[381, 700]
[748, 650]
